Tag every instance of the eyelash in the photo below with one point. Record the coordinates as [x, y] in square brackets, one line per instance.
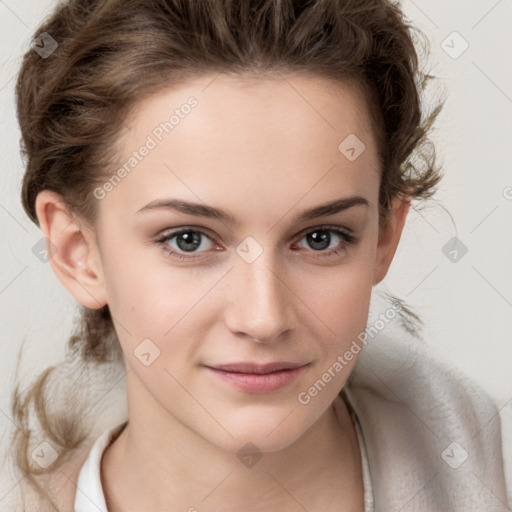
[347, 240]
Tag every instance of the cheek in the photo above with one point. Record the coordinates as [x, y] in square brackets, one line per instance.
[343, 313]
[341, 296]
[167, 303]
[151, 300]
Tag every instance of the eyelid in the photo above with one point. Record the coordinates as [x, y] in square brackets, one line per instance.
[326, 227]
[346, 234]
[172, 232]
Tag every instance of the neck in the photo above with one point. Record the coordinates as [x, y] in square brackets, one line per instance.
[163, 465]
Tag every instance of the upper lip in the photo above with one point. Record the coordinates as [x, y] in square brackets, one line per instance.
[257, 368]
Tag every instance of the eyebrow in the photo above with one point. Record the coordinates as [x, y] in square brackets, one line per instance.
[202, 210]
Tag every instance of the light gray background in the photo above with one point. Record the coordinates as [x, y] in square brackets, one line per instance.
[466, 305]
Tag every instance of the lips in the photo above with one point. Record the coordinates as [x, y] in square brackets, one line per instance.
[257, 378]
[259, 369]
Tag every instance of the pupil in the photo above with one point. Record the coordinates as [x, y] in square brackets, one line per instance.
[315, 239]
[190, 238]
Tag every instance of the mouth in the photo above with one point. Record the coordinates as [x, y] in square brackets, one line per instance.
[258, 378]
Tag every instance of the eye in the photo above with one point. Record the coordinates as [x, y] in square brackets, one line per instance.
[193, 241]
[187, 240]
[321, 238]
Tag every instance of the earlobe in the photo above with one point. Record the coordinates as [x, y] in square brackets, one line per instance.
[389, 237]
[72, 251]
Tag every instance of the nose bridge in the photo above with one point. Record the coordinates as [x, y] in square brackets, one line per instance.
[261, 303]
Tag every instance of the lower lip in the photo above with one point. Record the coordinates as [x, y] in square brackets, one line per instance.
[258, 383]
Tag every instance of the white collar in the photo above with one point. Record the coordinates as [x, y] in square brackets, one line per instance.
[89, 493]
[419, 419]
[90, 490]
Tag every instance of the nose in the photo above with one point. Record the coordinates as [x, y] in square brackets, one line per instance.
[261, 302]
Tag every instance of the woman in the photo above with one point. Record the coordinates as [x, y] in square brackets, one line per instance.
[221, 185]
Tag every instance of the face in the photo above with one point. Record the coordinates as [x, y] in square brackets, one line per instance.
[246, 280]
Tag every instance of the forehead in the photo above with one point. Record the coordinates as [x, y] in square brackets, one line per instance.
[215, 133]
[258, 102]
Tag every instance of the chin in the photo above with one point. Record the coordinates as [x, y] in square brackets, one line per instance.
[268, 431]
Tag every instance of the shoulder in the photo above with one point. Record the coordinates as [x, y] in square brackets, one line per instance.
[60, 484]
[427, 427]
[402, 369]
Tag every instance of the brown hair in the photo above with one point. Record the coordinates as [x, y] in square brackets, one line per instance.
[112, 53]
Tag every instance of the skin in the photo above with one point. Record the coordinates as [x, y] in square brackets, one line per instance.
[264, 151]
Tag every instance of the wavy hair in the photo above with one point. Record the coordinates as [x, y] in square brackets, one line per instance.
[112, 53]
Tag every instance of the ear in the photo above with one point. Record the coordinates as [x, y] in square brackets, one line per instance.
[72, 251]
[389, 236]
